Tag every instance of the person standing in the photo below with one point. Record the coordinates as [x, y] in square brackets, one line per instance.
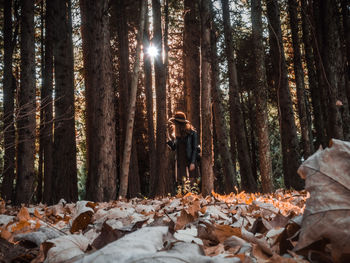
[183, 139]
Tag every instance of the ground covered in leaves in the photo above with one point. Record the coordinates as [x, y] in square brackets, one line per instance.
[190, 228]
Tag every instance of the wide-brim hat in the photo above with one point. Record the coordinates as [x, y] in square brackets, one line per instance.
[179, 117]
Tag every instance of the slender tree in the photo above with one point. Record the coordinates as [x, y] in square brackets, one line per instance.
[248, 182]
[26, 104]
[260, 93]
[164, 182]
[289, 138]
[206, 118]
[101, 141]
[303, 111]
[131, 109]
[191, 43]
[9, 85]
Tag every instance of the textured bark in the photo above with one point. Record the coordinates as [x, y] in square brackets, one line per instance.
[248, 182]
[64, 152]
[164, 182]
[345, 6]
[149, 105]
[260, 93]
[131, 110]
[191, 61]
[101, 141]
[8, 120]
[290, 151]
[221, 136]
[339, 117]
[312, 77]
[206, 118]
[46, 131]
[26, 104]
[303, 111]
[166, 57]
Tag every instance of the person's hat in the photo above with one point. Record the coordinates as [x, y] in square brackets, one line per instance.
[179, 117]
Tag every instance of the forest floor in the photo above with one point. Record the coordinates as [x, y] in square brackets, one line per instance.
[219, 228]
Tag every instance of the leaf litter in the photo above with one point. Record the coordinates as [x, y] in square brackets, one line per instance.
[285, 226]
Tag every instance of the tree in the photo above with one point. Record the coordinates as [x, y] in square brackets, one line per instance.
[164, 183]
[306, 135]
[206, 118]
[46, 130]
[101, 142]
[131, 109]
[9, 86]
[248, 182]
[260, 93]
[191, 60]
[64, 152]
[26, 104]
[290, 151]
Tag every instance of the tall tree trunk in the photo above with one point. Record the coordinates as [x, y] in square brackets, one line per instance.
[290, 151]
[299, 81]
[191, 42]
[46, 131]
[64, 153]
[261, 95]
[206, 118]
[345, 7]
[8, 120]
[131, 109]
[26, 103]
[248, 182]
[312, 77]
[149, 105]
[339, 117]
[166, 57]
[164, 182]
[219, 120]
[101, 141]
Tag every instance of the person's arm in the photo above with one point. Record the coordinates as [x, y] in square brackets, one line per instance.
[172, 144]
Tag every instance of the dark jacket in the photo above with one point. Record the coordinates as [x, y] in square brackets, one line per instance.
[192, 148]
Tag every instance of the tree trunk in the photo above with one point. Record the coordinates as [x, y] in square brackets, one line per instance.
[191, 60]
[306, 136]
[345, 6]
[290, 151]
[64, 153]
[166, 57]
[206, 118]
[339, 117]
[164, 182]
[26, 104]
[46, 131]
[312, 78]
[131, 109]
[9, 86]
[101, 141]
[248, 182]
[260, 93]
[149, 105]
[219, 120]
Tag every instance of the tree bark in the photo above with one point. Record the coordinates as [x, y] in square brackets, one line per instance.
[248, 182]
[191, 61]
[26, 104]
[131, 109]
[64, 153]
[149, 105]
[164, 182]
[345, 6]
[303, 111]
[9, 86]
[101, 141]
[219, 120]
[206, 118]
[290, 151]
[312, 77]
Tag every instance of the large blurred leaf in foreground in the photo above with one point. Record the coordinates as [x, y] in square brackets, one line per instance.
[327, 214]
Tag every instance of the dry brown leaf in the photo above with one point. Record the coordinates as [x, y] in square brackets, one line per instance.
[194, 208]
[327, 212]
[23, 214]
[222, 232]
[83, 217]
[183, 219]
[214, 250]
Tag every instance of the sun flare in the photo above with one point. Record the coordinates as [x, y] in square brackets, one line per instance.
[152, 51]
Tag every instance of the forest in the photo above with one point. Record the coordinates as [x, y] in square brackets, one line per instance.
[93, 93]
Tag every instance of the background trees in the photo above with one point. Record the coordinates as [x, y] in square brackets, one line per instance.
[272, 74]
